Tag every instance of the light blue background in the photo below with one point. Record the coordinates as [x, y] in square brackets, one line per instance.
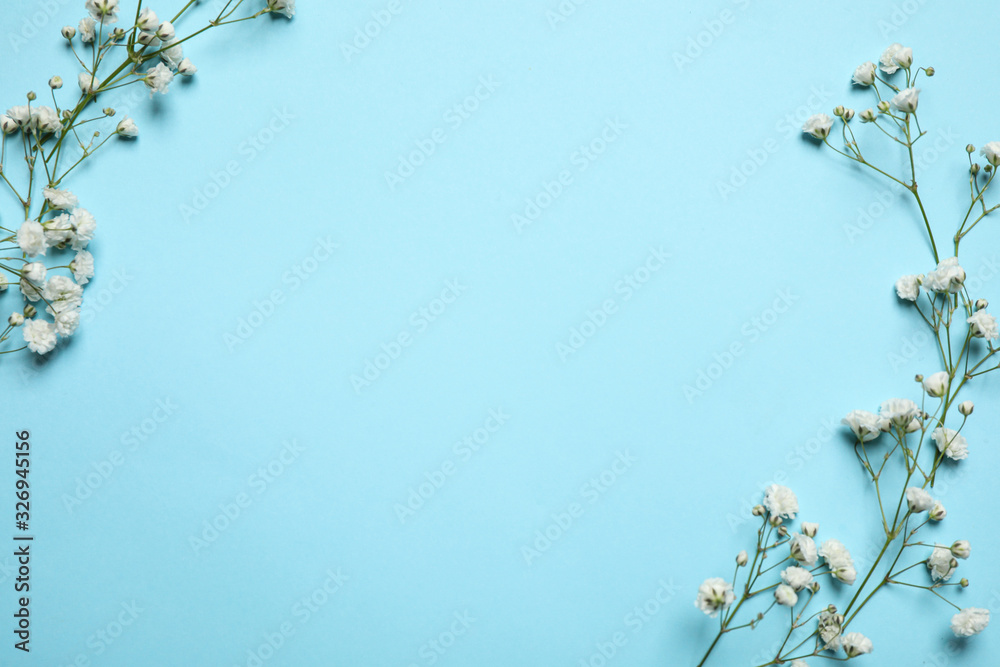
[158, 333]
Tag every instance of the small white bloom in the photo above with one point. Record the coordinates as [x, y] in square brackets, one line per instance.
[45, 120]
[952, 443]
[166, 31]
[855, 644]
[781, 501]
[906, 100]
[888, 63]
[936, 385]
[829, 625]
[908, 287]
[918, 500]
[838, 558]
[970, 621]
[21, 115]
[864, 424]
[127, 128]
[147, 20]
[903, 57]
[39, 335]
[171, 53]
[991, 152]
[31, 238]
[62, 294]
[32, 280]
[899, 411]
[803, 549]
[62, 200]
[68, 31]
[88, 30]
[742, 558]
[818, 126]
[148, 39]
[796, 577]
[67, 321]
[714, 595]
[961, 549]
[938, 512]
[7, 124]
[810, 529]
[785, 595]
[84, 227]
[103, 11]
[868, 116]
[984, 325]
[16, 319]
[158, 79]
[285, 7]
[58, 230]
[947, 277]
[186, 67]
[966, 407]
[941, 563]
[864, 75]
[88, 83]
[82, 267]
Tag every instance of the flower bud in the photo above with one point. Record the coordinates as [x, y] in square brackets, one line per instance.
[108, 111]
[15, 319]
[918, 377]
[147, 39]
[970, 149]
[961, 549]
[810, 529]
[929, 71]
[848, 114]
[988, 168]
[883, 106]
[982, 304]
[117, 34]
[775, 521]
[186, 67]
[55, 83]
[966, 407]
[758, 510]
[741, 558]
[7, 124]
[29, 311]
[964, 583]
[814, 587]
[69, 32]
[783, 531]
[31, 96]
[838, 110]
[166, 31]
[127, 128]
[938, 512]
[868, 116]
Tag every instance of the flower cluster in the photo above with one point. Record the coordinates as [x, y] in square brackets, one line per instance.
[54, 142]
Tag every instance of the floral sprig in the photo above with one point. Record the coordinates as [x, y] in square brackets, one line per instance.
[914, 437]
[54, 141]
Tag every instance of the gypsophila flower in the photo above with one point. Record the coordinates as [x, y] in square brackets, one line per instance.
[970, 621]
[838, 558]
[991, 152]
[60, 199]
[796, 577]
[186, 67]
[810, 528]
[45, 120]
[158, 79]
[21, 115]
[941, 563]
[7, 124]
[148, 39]
[855, 644]
[781, 501]
[67, 321]
[32, 280]
[799, 663]
[89, 84]
[803, 549]
[864, 75]
[829, 625]
[947, 277]
[906, 100]
[285, 7]
[147, 20]
[58, 230]
[742, 558]
[888, 62]
[3, 282]
[899, 411]
[908, 287]
[952, 443]
[918, 500]
[62, 294]
[938, 512]
[31, 238]
[172, 53]
[785, 595]
[165, 31]
[84, 227]
[984, 325]
[818, 126]
[865, 425]
[966, 407]
[88, 30]
[39, 335]
[103, 11]
[127, 128]
[961, 549]
[936, 385]
[16, 319]
[82, 267]
[714, 595]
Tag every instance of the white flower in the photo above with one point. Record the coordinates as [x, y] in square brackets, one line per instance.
[781, 501]
[742, 558]
[899, 411]
[714, 595]
[818, 126]
[148, 39]
[918, 500]
[970, 621]
[838, 558]
[802, 549]
[947, 277]
[89, 83]
[88, 30]
[785, 595]
[16, 319]
[799, 663]
[172, 53]
[165, 32]
[60, 199]
[62, 294]
[941, 563]
[67, 321]
[104, 11]
[158, 79]
[908, 287]
[58, 230]
[810, 529]
[3, 282]
[82, 267]
[888, 62]
[84, 227]
[796, 577]
[864, 75]
[855, 644]
[938, 512]
[936, 385]
[906, 100]
[984, 325]
[864, 424]
[904, 57]
[147, 20]
[961, 549]
[32, 280]
[127, 128]
[286, 7]
[991, 152]
[7, 124]
[45, 120]
[952, 443]
[31, 238]
[829, 624]
[186, 67]
[966, 407]
[39, 335]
